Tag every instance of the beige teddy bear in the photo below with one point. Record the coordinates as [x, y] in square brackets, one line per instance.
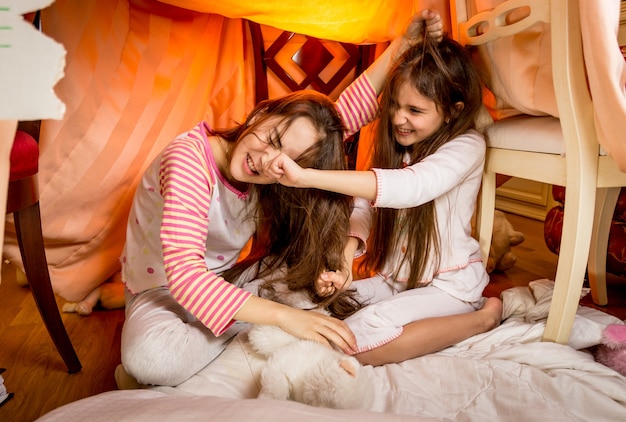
[108, 295]
[501, 258]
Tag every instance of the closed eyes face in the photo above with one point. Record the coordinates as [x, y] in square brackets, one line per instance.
[416, 117]
[265, 142]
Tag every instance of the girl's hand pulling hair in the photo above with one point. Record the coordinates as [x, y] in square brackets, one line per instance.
[332, 281]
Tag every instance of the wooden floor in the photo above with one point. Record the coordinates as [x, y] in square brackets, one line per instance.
[35, 372]
[535, 261]
[39, 379]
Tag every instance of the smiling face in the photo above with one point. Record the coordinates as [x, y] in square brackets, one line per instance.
[415, 117]
[265, 141]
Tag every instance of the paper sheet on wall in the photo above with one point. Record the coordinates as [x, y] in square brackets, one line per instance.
[30, 65]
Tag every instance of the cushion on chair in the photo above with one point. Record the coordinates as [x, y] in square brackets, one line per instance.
[616, 254]
[24, 156]
[527, 133]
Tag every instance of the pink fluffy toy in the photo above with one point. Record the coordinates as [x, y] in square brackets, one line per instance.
[612, 351]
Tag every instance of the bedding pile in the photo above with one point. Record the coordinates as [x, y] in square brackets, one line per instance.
[505, 374]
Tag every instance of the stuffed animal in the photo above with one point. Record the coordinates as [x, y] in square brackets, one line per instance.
[612, 351]
[501, 258]
[309, 372]
[109, 295]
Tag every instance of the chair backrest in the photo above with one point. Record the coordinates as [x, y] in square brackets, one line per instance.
[499, 22]
[568, 70]
[299, 62]
[304, 62]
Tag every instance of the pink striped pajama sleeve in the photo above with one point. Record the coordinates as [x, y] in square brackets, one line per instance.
[186, 188]
[358, 104]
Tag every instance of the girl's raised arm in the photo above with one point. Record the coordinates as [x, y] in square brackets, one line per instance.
[413, 33]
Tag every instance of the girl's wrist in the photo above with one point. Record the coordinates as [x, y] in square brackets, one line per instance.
[280, 313]
[309, 176]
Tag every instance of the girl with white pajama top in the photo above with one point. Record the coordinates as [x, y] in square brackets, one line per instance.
[413, 210]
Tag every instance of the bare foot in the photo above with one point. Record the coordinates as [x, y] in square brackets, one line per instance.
[492, 312]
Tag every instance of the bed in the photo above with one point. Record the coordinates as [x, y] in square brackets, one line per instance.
[506, 374]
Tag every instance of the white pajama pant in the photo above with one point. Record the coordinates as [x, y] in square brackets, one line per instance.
[383, 319]
[163, 344]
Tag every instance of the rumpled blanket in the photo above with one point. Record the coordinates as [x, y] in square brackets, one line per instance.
[506, 374]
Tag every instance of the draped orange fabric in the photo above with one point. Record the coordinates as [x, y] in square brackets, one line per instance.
[139, 72]
[133, 81]
[353, 21]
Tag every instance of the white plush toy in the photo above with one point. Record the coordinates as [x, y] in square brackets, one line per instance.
[309, 372]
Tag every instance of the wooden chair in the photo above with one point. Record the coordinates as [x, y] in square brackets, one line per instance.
[299, 62]
[567, 152]
[23, 203]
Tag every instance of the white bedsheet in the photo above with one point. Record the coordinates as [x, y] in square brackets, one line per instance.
[507, 374]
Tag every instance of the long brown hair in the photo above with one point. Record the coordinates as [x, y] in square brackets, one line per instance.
[444, 73]
[300, 232]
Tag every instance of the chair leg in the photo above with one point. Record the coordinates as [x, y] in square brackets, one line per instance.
[573, 255]
[606, 199]
[30, 239]
[485, 213]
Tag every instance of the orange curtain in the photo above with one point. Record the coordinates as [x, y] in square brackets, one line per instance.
[134, 79]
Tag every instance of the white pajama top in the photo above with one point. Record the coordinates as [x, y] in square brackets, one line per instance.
[451, 177]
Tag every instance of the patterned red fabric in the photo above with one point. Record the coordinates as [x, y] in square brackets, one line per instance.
[616, 254]
[24, 156]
